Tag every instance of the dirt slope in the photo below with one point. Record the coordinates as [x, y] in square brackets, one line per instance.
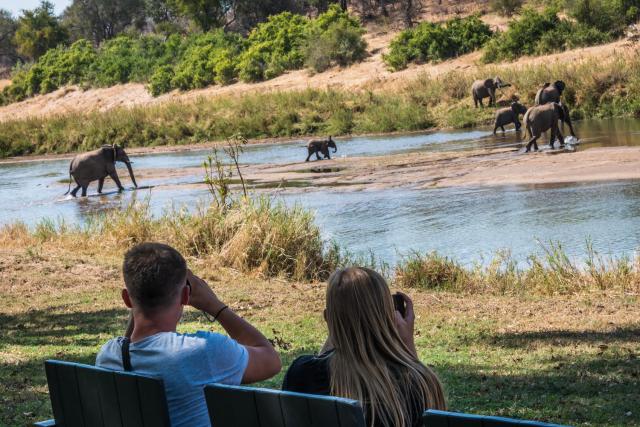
[371, 74]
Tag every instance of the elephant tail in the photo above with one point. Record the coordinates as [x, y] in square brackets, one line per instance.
[69, 189]
[527, 126]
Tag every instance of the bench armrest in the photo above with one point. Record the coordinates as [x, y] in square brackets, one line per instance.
[47, 423]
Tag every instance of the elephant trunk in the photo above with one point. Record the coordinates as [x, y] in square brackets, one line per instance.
[133, 178]
[335, 149]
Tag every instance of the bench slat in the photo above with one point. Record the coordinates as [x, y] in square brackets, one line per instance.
[127, 389]
[91, 407]
[231, 406]
[54, 392]
[70, 395]
[151, 392]
[269, 409]
[106, 384]
[295, 410]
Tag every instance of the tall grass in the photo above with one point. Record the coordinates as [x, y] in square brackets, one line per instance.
[595, 88]
[257, 236]
[553, 272]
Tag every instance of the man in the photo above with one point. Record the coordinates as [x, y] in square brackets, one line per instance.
[158, 286]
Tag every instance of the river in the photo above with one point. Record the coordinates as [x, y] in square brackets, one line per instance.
[465, 223]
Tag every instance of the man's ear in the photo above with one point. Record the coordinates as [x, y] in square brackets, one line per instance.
[126, 298]
[185, 295]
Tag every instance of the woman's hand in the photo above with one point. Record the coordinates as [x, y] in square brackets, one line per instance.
[202, 296]
[405, 324]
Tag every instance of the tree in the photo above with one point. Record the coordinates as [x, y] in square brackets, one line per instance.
[38, 31]
[207, 14]
[99, 20]
[8, 27]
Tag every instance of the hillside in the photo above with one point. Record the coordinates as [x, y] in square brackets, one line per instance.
[370, 74]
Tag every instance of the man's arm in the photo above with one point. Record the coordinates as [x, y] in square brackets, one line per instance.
[264, 361]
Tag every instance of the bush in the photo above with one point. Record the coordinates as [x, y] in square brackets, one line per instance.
[160, 81]
[334, 37]
[607, 16]
[275, 45]
[200, 63]
[434, 42]
[537, 33]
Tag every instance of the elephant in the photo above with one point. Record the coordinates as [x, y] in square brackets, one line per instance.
[507, 115]
[97, 165]
[486, 88]
[550, 92]
[541, 118]
[321, 146]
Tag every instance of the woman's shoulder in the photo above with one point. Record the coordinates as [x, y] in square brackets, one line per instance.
[308, 374]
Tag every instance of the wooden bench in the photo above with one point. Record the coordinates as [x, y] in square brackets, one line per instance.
[86, 396]
[237, 406]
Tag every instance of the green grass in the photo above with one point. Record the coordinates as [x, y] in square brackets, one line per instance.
[595, 89]
[567, 359]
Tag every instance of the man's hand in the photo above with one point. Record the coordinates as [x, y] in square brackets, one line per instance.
[202, 296]
[405, 324]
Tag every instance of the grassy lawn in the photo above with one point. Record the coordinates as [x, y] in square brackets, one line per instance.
[570, 359]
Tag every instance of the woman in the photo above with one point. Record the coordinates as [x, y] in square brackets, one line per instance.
[369, 355]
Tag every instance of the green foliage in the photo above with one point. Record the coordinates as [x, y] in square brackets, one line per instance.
[275, 46]
[207, 58]
[537, 33]
[335, 37]
[125, 59]
[607, 16]
[197, 60]
[38, 31]
[434, 42]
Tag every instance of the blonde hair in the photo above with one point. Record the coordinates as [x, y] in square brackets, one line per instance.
[371, 363]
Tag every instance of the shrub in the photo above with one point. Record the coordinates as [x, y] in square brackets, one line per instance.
[205, 56]
[537, 33]
[607, 16]
[334, 37]
[160, 81]
[275, 45]
[434, 42]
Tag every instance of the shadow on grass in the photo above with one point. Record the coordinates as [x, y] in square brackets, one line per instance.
[55, 327]
[566, 337]
[572, 390]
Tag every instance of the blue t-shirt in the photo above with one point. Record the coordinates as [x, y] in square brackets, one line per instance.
[186, 363]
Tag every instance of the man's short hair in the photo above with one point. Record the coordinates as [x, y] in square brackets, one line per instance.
[153, 273]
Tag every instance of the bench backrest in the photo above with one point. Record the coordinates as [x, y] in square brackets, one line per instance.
[433, 418]
[235, 406]
[86, 396]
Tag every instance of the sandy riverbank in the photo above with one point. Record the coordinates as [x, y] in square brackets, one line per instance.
[482, 167]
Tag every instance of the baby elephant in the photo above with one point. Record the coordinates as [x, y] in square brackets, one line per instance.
[507, 115]
[321, 146]
[541, 118]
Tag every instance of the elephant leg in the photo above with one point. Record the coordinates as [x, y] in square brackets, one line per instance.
[518, 125]
[495, 128]
[553, 137]
[100, 184]
[475, 101]
[560, 137]
[114, 177]
[84, 190]
[480, 102]
[75, 190]
[309, 156]
[502, 127]
[318, 155]
[531, 142]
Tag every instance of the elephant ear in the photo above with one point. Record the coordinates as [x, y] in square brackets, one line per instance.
[559, 85]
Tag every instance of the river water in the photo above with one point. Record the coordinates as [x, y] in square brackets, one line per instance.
[464, 223]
